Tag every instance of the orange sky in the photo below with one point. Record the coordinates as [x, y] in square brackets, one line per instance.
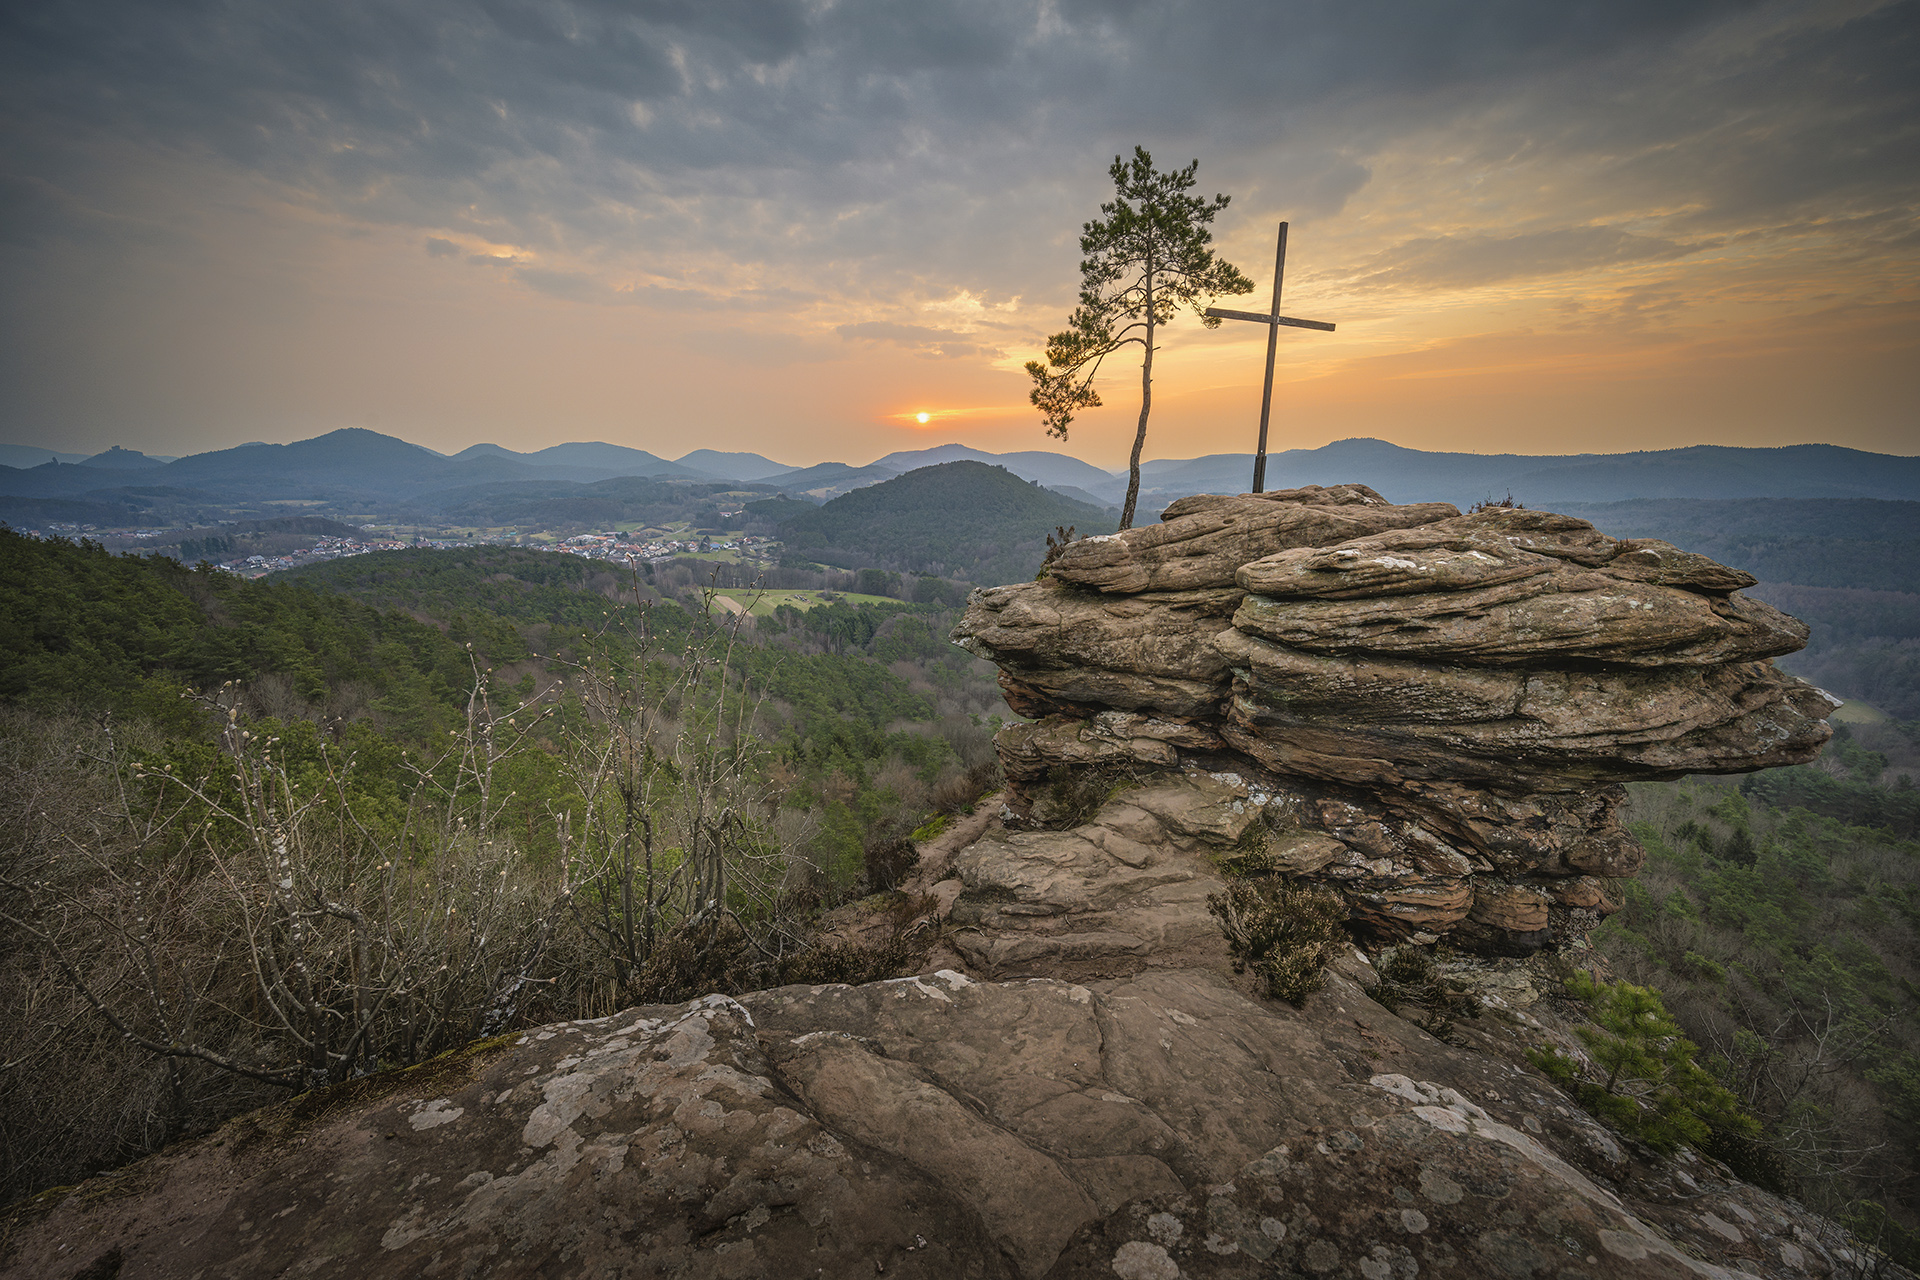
[1685, 225]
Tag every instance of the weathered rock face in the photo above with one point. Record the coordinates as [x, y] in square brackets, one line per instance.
[1202, 541]
[1433, 709]
[1159, 1127]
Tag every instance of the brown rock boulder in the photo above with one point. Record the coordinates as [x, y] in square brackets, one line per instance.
[1052, 624]
[1122, 890]
[1345, 718]
[1070, 645]
[1411, 905]
[1203, 541]
[1558, 617]
[1112, 738]
[1511, 907]
[1435, 557]
[1477, 681]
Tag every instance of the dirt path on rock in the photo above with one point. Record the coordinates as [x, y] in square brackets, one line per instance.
[932, 878]
[937, 854]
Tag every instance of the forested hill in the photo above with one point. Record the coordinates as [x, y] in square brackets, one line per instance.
[957, 519]
[1818, 542]
[83, 629]
[507, 583]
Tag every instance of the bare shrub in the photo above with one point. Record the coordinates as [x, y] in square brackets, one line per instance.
[1284, 932]
[889, 861]
[675, 838]
[190, 928]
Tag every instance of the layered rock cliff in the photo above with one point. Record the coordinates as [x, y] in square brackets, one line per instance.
[1430, 711]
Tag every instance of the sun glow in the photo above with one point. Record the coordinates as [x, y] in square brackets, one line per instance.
[936, 417]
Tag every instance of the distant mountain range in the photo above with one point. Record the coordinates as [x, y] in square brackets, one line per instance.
[1414, 475]
[359, 470]
[608, 461]
[23, 455]
[1034, 464]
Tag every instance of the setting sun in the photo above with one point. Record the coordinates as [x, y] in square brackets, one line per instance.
[923, 417]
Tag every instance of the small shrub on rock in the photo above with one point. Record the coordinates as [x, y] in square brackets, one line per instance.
[959, 792]
[1055, 545]
[1283, 931]
[1642, 1077]
[889, 862]
[695, 959]
[1408, 976]
[898, 957]
[706, 957]
[1074, 796]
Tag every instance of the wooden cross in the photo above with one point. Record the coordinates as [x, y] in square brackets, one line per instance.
[1273, 321]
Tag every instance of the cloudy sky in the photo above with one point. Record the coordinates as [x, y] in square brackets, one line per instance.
[791, 225]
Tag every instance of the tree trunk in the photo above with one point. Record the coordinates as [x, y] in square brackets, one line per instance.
[1146, 406]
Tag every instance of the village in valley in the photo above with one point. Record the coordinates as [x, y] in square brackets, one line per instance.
[620, 547]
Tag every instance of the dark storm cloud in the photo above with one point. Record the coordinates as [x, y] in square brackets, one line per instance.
[440, 90]
[1771, 114]
[898, 142]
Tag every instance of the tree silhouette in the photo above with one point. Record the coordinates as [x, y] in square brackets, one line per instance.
[1145, 258]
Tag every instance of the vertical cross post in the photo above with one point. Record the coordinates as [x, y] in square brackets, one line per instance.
[1273, 344]
[1273, 320]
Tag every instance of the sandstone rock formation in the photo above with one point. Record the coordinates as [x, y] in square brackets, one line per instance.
[1429, 711]
[1432, 710]
[1161, 1127]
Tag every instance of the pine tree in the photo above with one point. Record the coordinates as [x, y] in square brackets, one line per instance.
[1644, 1079]
[1146, 258]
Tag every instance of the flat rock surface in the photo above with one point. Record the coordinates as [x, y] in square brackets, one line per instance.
[1162, 1126]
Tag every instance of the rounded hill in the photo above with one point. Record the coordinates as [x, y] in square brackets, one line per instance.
[956, 519]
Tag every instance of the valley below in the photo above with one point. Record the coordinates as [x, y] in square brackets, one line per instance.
[661, 819]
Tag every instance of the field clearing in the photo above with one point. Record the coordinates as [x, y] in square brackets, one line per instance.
[763, 603]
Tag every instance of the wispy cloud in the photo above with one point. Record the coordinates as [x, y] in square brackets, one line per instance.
[1453, 262]
[824, 178]
[916, 337]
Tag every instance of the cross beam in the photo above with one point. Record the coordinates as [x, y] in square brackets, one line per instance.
[1225, 314]
[1273, 321]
